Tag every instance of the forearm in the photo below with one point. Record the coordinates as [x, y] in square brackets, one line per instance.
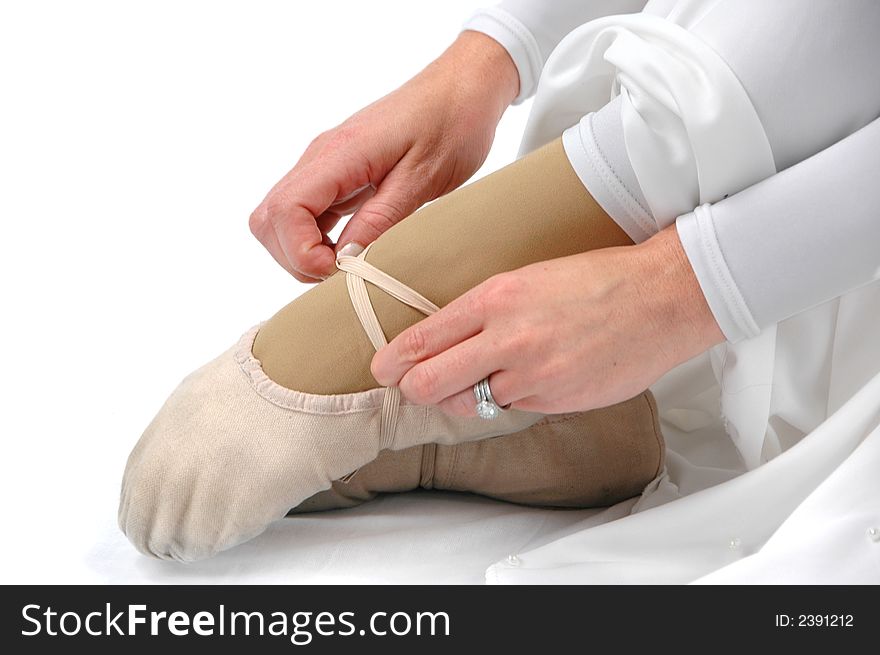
[484, 69]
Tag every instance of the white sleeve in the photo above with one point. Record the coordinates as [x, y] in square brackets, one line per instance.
[797, 239]
[530, 29]
[805, 102]
[801, 236]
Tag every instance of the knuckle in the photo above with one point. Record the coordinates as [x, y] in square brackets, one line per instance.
[422, 385]
[509, 283]
[551, 370]
[381, 214]
[498, 289]
[515, 342]
[479, 301]
[339, 138]
[257, 221]
[415, 344]
[321, 139]
[275, 207]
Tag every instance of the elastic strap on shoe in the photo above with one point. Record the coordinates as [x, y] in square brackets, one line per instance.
[357, 273]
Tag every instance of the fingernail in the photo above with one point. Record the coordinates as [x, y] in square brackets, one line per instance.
[351, 249]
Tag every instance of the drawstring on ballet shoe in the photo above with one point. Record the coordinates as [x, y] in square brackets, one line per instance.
[357, 273]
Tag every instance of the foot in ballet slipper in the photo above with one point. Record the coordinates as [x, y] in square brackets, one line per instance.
[231, 451]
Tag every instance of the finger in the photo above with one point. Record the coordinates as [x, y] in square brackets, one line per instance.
[457, 321]
[401, 192]
[350, 203]
[270, 232]
[265, 234]
[506, 387]
[330, 218]
[316, 149]
[326, 222]
[270, 242]
[537, 404]
[302, 242]
[291, 210]
[447, 373]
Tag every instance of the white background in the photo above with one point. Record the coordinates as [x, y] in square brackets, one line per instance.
[135, 139]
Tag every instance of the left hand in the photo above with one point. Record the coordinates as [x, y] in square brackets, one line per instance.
[564, 335]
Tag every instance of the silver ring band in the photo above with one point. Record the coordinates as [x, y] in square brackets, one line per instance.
[486, 407]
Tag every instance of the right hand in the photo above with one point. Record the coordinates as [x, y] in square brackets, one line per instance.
[415, 144]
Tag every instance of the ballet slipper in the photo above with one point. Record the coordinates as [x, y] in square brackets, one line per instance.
[231, 451]
[584, 459]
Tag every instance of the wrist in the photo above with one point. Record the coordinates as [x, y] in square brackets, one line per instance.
[484, 67]
[676, 294]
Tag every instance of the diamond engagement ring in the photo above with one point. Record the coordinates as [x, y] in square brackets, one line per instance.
[487, 408]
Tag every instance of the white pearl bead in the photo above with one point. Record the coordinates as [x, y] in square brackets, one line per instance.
[735, 543]
[873, 534]
[513, 560]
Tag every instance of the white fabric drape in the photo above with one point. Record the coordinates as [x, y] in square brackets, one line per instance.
[801, 401]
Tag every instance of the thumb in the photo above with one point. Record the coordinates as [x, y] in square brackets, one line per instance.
[399, 195]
